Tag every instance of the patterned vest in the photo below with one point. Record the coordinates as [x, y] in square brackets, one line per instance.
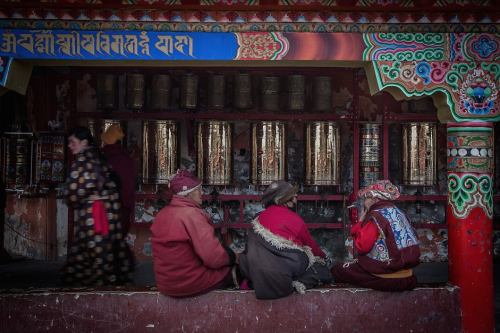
[404, 235]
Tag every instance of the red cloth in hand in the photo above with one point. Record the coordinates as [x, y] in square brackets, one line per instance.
[100, 216]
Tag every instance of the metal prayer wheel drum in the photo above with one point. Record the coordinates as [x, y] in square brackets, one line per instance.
[107, 91]
[18, 161]
[269, 93]
[160, 153]
[216, 96]
[419, 154]
[268, 152]
[98, 126]
[296, 92]
[189, 91]
[322, 153]
[242, 94]
[369, 159]
[322, 93]
[215, 152]
[161, 92]
[136, 91]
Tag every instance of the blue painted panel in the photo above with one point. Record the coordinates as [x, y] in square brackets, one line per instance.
[124, 45]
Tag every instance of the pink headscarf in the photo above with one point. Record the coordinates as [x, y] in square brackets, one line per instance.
[381, 189]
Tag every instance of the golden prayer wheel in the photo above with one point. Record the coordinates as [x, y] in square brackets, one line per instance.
[18, 161]
[189, 91]
[160, 154]
[161, 94]
[369, 159]
[419, 154]
[296, 92]
[322, 93]
[136, 91]
[216, 96]
[107, 91]
[269, 93]
[322, 153]
[215, 152]
[98, 126]
[242, 98]
[268, 152]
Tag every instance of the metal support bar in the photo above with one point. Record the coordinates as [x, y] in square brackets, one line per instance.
[222, 116]
[190, 136]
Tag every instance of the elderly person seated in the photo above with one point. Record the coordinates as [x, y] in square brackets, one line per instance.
[385, 244]
[280, 255]
[188, 259]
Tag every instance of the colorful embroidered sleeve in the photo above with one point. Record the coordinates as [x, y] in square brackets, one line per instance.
[364, 237]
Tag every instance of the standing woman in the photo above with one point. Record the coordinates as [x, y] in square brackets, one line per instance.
[97, 255]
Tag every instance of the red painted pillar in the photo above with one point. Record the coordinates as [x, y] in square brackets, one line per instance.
[470, 214]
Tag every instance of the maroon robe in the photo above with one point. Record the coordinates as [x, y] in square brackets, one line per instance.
[124, 166]
[360, 272]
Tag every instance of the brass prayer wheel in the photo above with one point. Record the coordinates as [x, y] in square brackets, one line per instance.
[322, 153]
[322, 93]
[296, 92]
[107, 91]
[242, 85]
[161, 92]
[215, 152]
[419, 154]
[18, 161]
[269, 93]
[160, 154]
[268, 152]
[136, 91]
[98, 126]
[369, 159]
[216, 95]
[189, 91]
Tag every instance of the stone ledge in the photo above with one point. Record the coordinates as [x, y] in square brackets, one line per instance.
[329, 308]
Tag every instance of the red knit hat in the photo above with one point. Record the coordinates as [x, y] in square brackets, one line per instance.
[183, 182]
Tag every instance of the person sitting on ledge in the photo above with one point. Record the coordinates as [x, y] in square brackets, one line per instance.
[188, 259]
[385, 244]
[280, 255]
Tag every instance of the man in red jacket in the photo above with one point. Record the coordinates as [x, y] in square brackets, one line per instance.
[188, 259]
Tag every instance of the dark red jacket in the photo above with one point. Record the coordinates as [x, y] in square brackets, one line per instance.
[188, 258]
[124, 166]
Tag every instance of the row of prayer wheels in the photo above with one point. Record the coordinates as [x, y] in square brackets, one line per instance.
[161, 92]
[215, 152]
[214, 143]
